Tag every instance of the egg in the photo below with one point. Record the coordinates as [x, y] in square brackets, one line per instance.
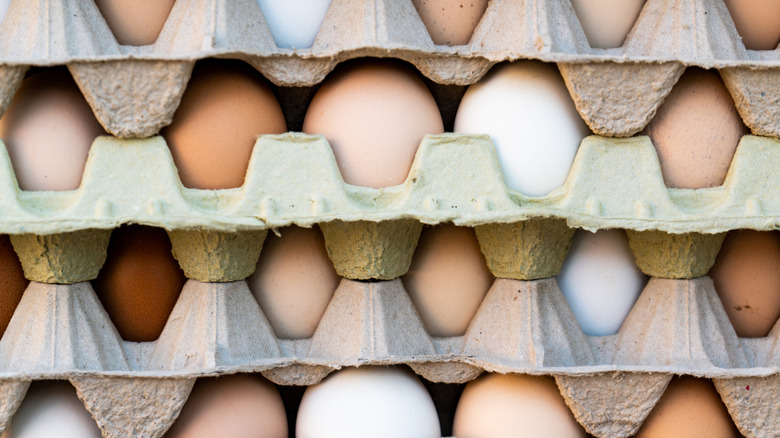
[747, 278]
[294, 281]
[377, 402]
[600, 280]
[450, 23]
[294, 24]
[514, 405]
[607, 22]
[235, 406]
[139, 282]
[529, 115]
[135, 22]
[48, 130]
[227, 104]
[12, 282]
[696, 131]
[757, 21]
[448, 279]
[374, 114]
[4, 4]
[52, 409]
[690, 407]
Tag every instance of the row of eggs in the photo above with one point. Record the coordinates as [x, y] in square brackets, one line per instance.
[295, 23]
[294, 282]
[378, 402]
[374, 113]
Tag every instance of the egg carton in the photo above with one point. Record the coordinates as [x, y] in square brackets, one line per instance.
[217, 326]
[294, 179]
[135, 90]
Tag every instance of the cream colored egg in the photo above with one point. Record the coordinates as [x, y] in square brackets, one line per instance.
[226, 106]
[294, 24]
[747, 277]
[757, 21]
[450, 23]
[607, 22]
[600, 280]
[529, 115]
[135, 22]
[52, 409]
[448, 279]
[696, 131]
[689, 408]
[294, 281]
[376, 402]
[374, 114]
[48, 130]
[514, 405]
[235, 406]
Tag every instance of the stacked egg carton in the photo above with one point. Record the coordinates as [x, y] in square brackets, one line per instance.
[678, 326]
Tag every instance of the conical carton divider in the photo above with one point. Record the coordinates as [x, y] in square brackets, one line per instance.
[699, 31]
[214, 325]
[679, 325]
[12, 393]
[10, 79]
[664, 255]
[370, 322]
[612, 404]
[217, 256]
[519, 28]
[61, 328]
[525, 325]
[446, 371]
[619, 111]
[132, 98]
[63, 258]
[452, 70]
[753, 403]
[133, 406]
[298, 374]
[54, 32]
[752, 181]
[527, 250]
[753, 92]
[365, 250]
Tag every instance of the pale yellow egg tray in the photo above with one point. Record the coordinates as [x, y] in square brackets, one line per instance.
[678, 326]
[134, 91]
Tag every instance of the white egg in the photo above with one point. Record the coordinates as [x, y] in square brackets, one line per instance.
[529, 115]
[4, 4]
[294, 24]
[52, 409]
[375, 402]
[600, 280]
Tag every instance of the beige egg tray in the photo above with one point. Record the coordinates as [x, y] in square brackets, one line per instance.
[611, 383]
[134, 91]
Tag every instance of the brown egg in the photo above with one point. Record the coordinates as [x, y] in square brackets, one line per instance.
[448, 279]
[747, 278]
[140, 282]
[374, 114]
[689, 408]
[226, 106]
[606, 23]
[514, 405]
[294, 281]
[450, 23]
[696, 131]
[757, 21]
[135, 22]
[235, 406]
[48, 130]
[12, 282]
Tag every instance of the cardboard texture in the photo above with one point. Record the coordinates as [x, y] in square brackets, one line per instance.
[524, 325]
